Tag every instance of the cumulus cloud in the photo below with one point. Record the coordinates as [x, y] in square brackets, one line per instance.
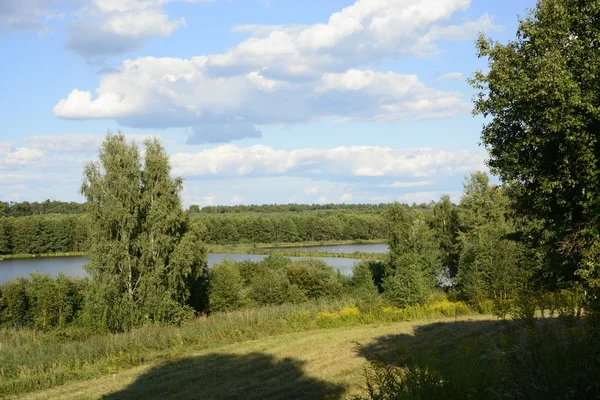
[280, 75]
[165, 92]
[355, 161]
[112, 27]
[11, 156]
[311, 190]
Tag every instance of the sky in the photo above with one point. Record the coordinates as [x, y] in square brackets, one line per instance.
[256, 101]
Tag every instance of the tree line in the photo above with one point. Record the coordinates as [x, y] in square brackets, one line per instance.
[55, 233]
[25, 208]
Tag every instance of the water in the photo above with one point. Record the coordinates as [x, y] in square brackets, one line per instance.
[344, 248]
[73, 266]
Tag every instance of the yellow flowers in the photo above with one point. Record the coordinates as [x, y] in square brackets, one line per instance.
[349, 312]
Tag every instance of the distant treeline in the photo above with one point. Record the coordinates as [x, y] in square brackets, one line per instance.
[39, 234]
[25, 208]
[277, 208]
[61, 233]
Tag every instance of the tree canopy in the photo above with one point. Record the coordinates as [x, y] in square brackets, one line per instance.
[542, 103]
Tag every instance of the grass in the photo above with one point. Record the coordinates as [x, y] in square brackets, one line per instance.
[317, 364]
[257, 248]
[45, 255]
[31, 361]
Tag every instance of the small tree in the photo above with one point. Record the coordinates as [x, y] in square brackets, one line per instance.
[145, 258]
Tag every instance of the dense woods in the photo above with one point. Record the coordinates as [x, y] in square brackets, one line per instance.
[40, 234]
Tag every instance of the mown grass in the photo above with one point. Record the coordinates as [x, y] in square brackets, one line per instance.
[31, 361]
[318, 364]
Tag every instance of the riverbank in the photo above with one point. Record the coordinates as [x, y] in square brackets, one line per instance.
[256, 248]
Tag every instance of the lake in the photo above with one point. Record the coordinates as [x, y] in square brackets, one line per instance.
[73, 266]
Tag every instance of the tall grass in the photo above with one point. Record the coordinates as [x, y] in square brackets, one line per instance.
[31, 360]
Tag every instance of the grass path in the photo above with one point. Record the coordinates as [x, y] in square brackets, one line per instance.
[317, 364]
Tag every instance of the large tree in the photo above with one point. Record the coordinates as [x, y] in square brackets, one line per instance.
[541, 98]
[147, 263]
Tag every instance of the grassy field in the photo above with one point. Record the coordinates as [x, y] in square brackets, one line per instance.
[318, 364]
[32, 360]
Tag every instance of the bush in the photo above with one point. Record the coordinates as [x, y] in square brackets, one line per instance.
[226, 287]
[314, 278]
[405, 287]
[269, 287]
[41, 302]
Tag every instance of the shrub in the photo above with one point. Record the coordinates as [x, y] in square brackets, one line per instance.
[315, 278]
[226, 287]
[405, 287]
[270, 286]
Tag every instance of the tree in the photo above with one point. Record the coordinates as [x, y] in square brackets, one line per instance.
[414, 258]
[490, 261]
[145, 256]
[541, 99]
[445, 224]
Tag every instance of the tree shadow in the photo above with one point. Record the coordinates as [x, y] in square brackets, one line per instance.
[229, 376]
[487, 359]
[439, 340]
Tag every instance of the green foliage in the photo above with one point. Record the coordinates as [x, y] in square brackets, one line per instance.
[41, 302]
[405, 287]
[314, 278]
[270, 287]
[446, 225]
[226, 291]
[147, 262]
[414, 259]
[540, 96]
[490, 262]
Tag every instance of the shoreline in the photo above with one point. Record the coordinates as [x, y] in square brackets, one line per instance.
[289, 250]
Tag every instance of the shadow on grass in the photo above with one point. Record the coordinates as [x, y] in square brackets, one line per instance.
[488, 359]
[229, 376]
[440, 340]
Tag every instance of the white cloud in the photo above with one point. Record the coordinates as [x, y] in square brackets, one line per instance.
[311, 190]
[11, 156]
[401, 184]
[323, 199]
[346, 198]
[451, 75]
[420, 197]
[30, 15]
[236, 199]
[111, 27]
[280, 75]
[209, 200]
[358, 161]
[362, 33]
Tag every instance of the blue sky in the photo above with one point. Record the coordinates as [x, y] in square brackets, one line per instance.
[257, 101]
